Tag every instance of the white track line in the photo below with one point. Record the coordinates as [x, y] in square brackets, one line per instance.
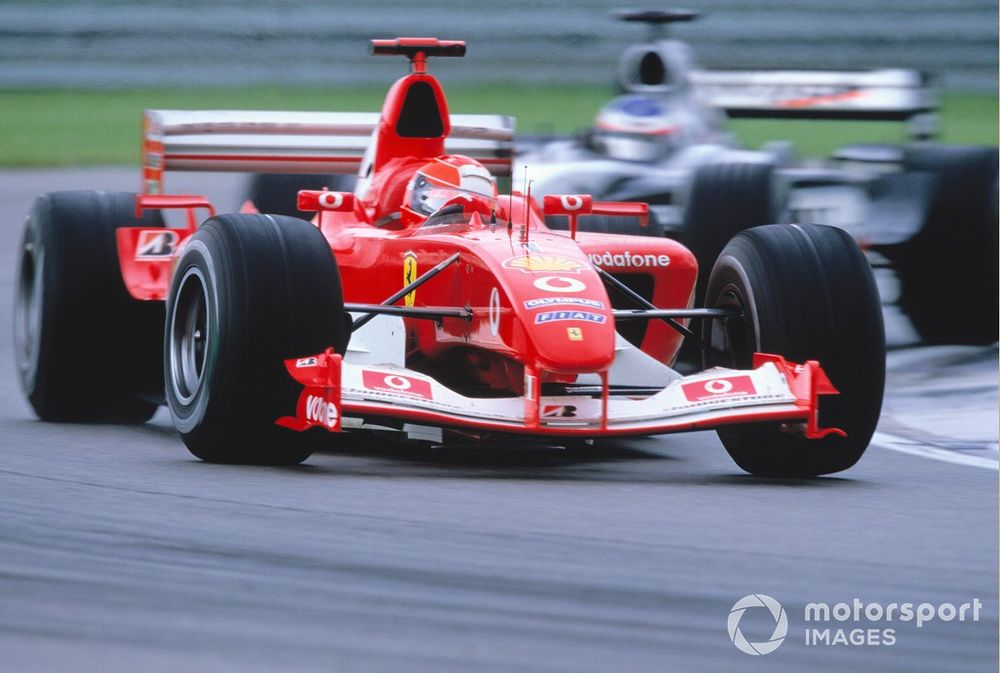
[904, 445]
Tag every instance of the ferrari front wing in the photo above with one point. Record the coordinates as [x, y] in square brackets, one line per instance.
[775, 390]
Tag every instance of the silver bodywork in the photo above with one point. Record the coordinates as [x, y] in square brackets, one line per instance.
[835, 192]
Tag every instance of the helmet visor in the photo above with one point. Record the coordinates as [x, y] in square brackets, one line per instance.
[429, 194]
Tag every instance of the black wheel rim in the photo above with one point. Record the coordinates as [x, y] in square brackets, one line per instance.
[733, 336]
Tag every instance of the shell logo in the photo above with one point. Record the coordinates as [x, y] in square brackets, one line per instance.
[543, 264]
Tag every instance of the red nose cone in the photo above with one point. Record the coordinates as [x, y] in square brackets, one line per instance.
[565, 311]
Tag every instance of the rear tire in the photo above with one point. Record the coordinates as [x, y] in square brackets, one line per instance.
[249, 292]
[609, 224]
[805, 292]
[948, 272]
[277, 193]
[85, 349]
[724, 200]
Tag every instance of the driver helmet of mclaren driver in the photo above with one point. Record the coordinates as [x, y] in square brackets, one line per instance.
[443, 179]
[636, 128]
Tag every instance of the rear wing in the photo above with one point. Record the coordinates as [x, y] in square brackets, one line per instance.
[891, 95]
[294, 142]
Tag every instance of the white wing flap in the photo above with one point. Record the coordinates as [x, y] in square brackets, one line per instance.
[714, 397]
[294, 142]
[877, 94]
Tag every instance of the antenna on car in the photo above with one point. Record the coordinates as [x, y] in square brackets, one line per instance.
[527, 202]
[510, 202]
[527, 208]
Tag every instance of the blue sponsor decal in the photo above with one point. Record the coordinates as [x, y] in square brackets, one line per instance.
[561, 316]
[542, 302]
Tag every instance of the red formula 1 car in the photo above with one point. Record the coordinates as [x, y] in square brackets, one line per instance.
[427, 304]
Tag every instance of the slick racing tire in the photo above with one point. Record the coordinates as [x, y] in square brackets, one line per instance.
[948, 271]
[277, 193]
[85, 350]
[805, 292]
[725, 199]
[248, 292]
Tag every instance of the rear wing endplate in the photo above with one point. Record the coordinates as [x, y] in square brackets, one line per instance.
[294, 142]
[891, 95]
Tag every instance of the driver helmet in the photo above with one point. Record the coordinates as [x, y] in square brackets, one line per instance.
[444, 178]
[636, 128]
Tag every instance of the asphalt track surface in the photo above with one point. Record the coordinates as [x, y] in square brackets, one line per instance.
[120, 552]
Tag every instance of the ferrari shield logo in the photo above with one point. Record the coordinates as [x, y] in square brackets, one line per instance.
[574, 333]
[409, 275]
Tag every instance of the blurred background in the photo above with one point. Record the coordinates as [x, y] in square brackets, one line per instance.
[76, 74]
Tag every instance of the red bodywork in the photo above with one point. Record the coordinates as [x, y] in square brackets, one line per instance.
[539, 312]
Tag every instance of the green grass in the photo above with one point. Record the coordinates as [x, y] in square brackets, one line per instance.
[78, 127]
[965, 119]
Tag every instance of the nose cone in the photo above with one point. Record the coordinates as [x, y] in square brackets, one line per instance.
[573, 339]
[566, 315]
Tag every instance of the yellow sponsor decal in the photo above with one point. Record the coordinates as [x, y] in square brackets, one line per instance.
[574, 333]
[409, 275]
[543, 264]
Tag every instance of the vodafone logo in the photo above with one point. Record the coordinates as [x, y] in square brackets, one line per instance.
[331, 200]
[559, 284]
[319, 410]
[720, 388]
[396, 384]
[571, 202]
[494, 312]
[629, 260]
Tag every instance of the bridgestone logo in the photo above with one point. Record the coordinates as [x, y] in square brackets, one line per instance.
[626, 260]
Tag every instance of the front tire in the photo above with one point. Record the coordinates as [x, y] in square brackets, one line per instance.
[85, 350]
[805, 292]
[249, 291]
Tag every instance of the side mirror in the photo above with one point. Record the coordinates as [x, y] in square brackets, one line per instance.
[575, 205]
[567, 204]
[314, 200]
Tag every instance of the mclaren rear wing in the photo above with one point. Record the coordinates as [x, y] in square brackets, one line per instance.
[294, 142]
[893, 95]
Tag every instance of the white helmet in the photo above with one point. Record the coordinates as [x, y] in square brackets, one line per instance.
[636, 128]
